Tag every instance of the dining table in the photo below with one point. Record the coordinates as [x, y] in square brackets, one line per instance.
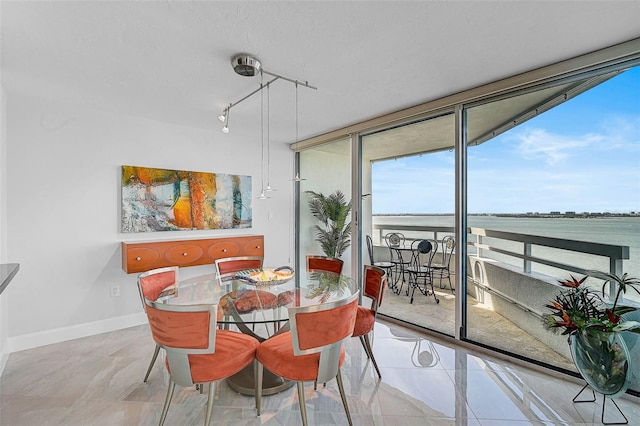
[256, 302]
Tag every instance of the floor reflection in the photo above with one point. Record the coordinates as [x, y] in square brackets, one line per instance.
[425, 381]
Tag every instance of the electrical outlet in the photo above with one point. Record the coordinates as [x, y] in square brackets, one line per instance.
[115, 290]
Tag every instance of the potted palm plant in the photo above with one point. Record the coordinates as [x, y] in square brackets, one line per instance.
[334, 232]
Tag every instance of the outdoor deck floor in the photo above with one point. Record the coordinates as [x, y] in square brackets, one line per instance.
[486, 326]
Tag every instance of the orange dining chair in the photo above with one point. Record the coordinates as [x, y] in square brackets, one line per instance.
[375, 280]
[228, 266]
[197, 352]
[150, 285]
[323, 263]
[312, 351]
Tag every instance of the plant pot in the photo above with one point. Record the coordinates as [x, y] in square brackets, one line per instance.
[602, 358]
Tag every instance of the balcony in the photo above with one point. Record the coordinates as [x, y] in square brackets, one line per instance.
[505, 292]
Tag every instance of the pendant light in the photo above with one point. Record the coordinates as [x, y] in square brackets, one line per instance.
[262, 195]
[297, 178]
[268, 188]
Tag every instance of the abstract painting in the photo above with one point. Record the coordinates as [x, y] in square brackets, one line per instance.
[176, 200]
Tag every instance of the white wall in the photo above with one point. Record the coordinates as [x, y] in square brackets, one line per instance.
[4, 305]
[324, 172]
[63, 194]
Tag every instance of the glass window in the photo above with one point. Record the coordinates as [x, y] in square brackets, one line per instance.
[557, 177]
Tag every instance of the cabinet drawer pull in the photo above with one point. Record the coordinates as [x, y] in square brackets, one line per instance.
[257, 247]
[185, 254]
[224, 250]
[138, 258]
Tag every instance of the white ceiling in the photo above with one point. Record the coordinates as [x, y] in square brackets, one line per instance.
[170, 61]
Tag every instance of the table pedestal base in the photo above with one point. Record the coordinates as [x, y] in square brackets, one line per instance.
[242, 382]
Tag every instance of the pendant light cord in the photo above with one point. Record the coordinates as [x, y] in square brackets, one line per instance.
[268, 136]
[261, 135]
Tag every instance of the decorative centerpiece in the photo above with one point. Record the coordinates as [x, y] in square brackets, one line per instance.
[267, 276]
[594, 326]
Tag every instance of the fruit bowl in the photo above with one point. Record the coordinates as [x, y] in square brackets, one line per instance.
[267, 276]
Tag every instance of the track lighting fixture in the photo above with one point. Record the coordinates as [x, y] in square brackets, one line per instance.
[249, 66]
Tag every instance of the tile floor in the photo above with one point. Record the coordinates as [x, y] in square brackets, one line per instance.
[98, 381]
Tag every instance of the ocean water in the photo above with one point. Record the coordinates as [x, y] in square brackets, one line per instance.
[622, 231]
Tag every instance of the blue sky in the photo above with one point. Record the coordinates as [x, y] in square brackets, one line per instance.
[583, 155]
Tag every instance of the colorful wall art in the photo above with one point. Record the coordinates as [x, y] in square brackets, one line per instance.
[175, 200]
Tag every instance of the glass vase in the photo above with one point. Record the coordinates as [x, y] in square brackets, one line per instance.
[602, 358]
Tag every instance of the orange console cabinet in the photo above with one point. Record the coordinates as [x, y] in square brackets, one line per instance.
[143, 256]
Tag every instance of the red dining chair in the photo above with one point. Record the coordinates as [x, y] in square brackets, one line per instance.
[197, 352]
[375, 280]
[150, 286]
[323, 263]
[228, 266]
[312, 351]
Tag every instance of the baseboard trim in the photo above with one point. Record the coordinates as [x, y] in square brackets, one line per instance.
[43, 338]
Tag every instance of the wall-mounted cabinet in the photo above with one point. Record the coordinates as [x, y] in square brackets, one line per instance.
[143, 256]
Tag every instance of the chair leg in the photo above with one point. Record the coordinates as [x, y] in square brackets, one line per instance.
[302, 403]
[364, 346]
[167, 401]
[258, 370]
[153, 361]
[210, 397]
[370, 351]
[343, 396]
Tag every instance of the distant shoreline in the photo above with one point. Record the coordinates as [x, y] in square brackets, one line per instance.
[552, 215]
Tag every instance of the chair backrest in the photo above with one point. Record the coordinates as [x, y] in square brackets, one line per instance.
[323, 328]
[323, 263]
[375, 281]
[153, 282]
[448, 246]
[228, 266]
[394, 239]
[420, 249]
[370, 249]
[182, 330]
[434, 250]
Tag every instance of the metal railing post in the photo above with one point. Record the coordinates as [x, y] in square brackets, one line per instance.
[527, 258]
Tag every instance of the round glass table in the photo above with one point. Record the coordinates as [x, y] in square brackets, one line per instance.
[257, 304]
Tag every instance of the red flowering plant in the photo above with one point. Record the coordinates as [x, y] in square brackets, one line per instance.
[579, 308]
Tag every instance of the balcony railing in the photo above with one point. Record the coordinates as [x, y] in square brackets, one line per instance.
[480, 245]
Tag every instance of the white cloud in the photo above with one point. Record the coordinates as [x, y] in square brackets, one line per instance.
[538, 144]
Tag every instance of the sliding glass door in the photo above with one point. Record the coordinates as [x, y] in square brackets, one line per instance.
[408, 176]
[536, 178]
[553, 184]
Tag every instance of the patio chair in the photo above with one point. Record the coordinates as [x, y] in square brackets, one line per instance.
[420, 273]
[443, 270]
[396, 243]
